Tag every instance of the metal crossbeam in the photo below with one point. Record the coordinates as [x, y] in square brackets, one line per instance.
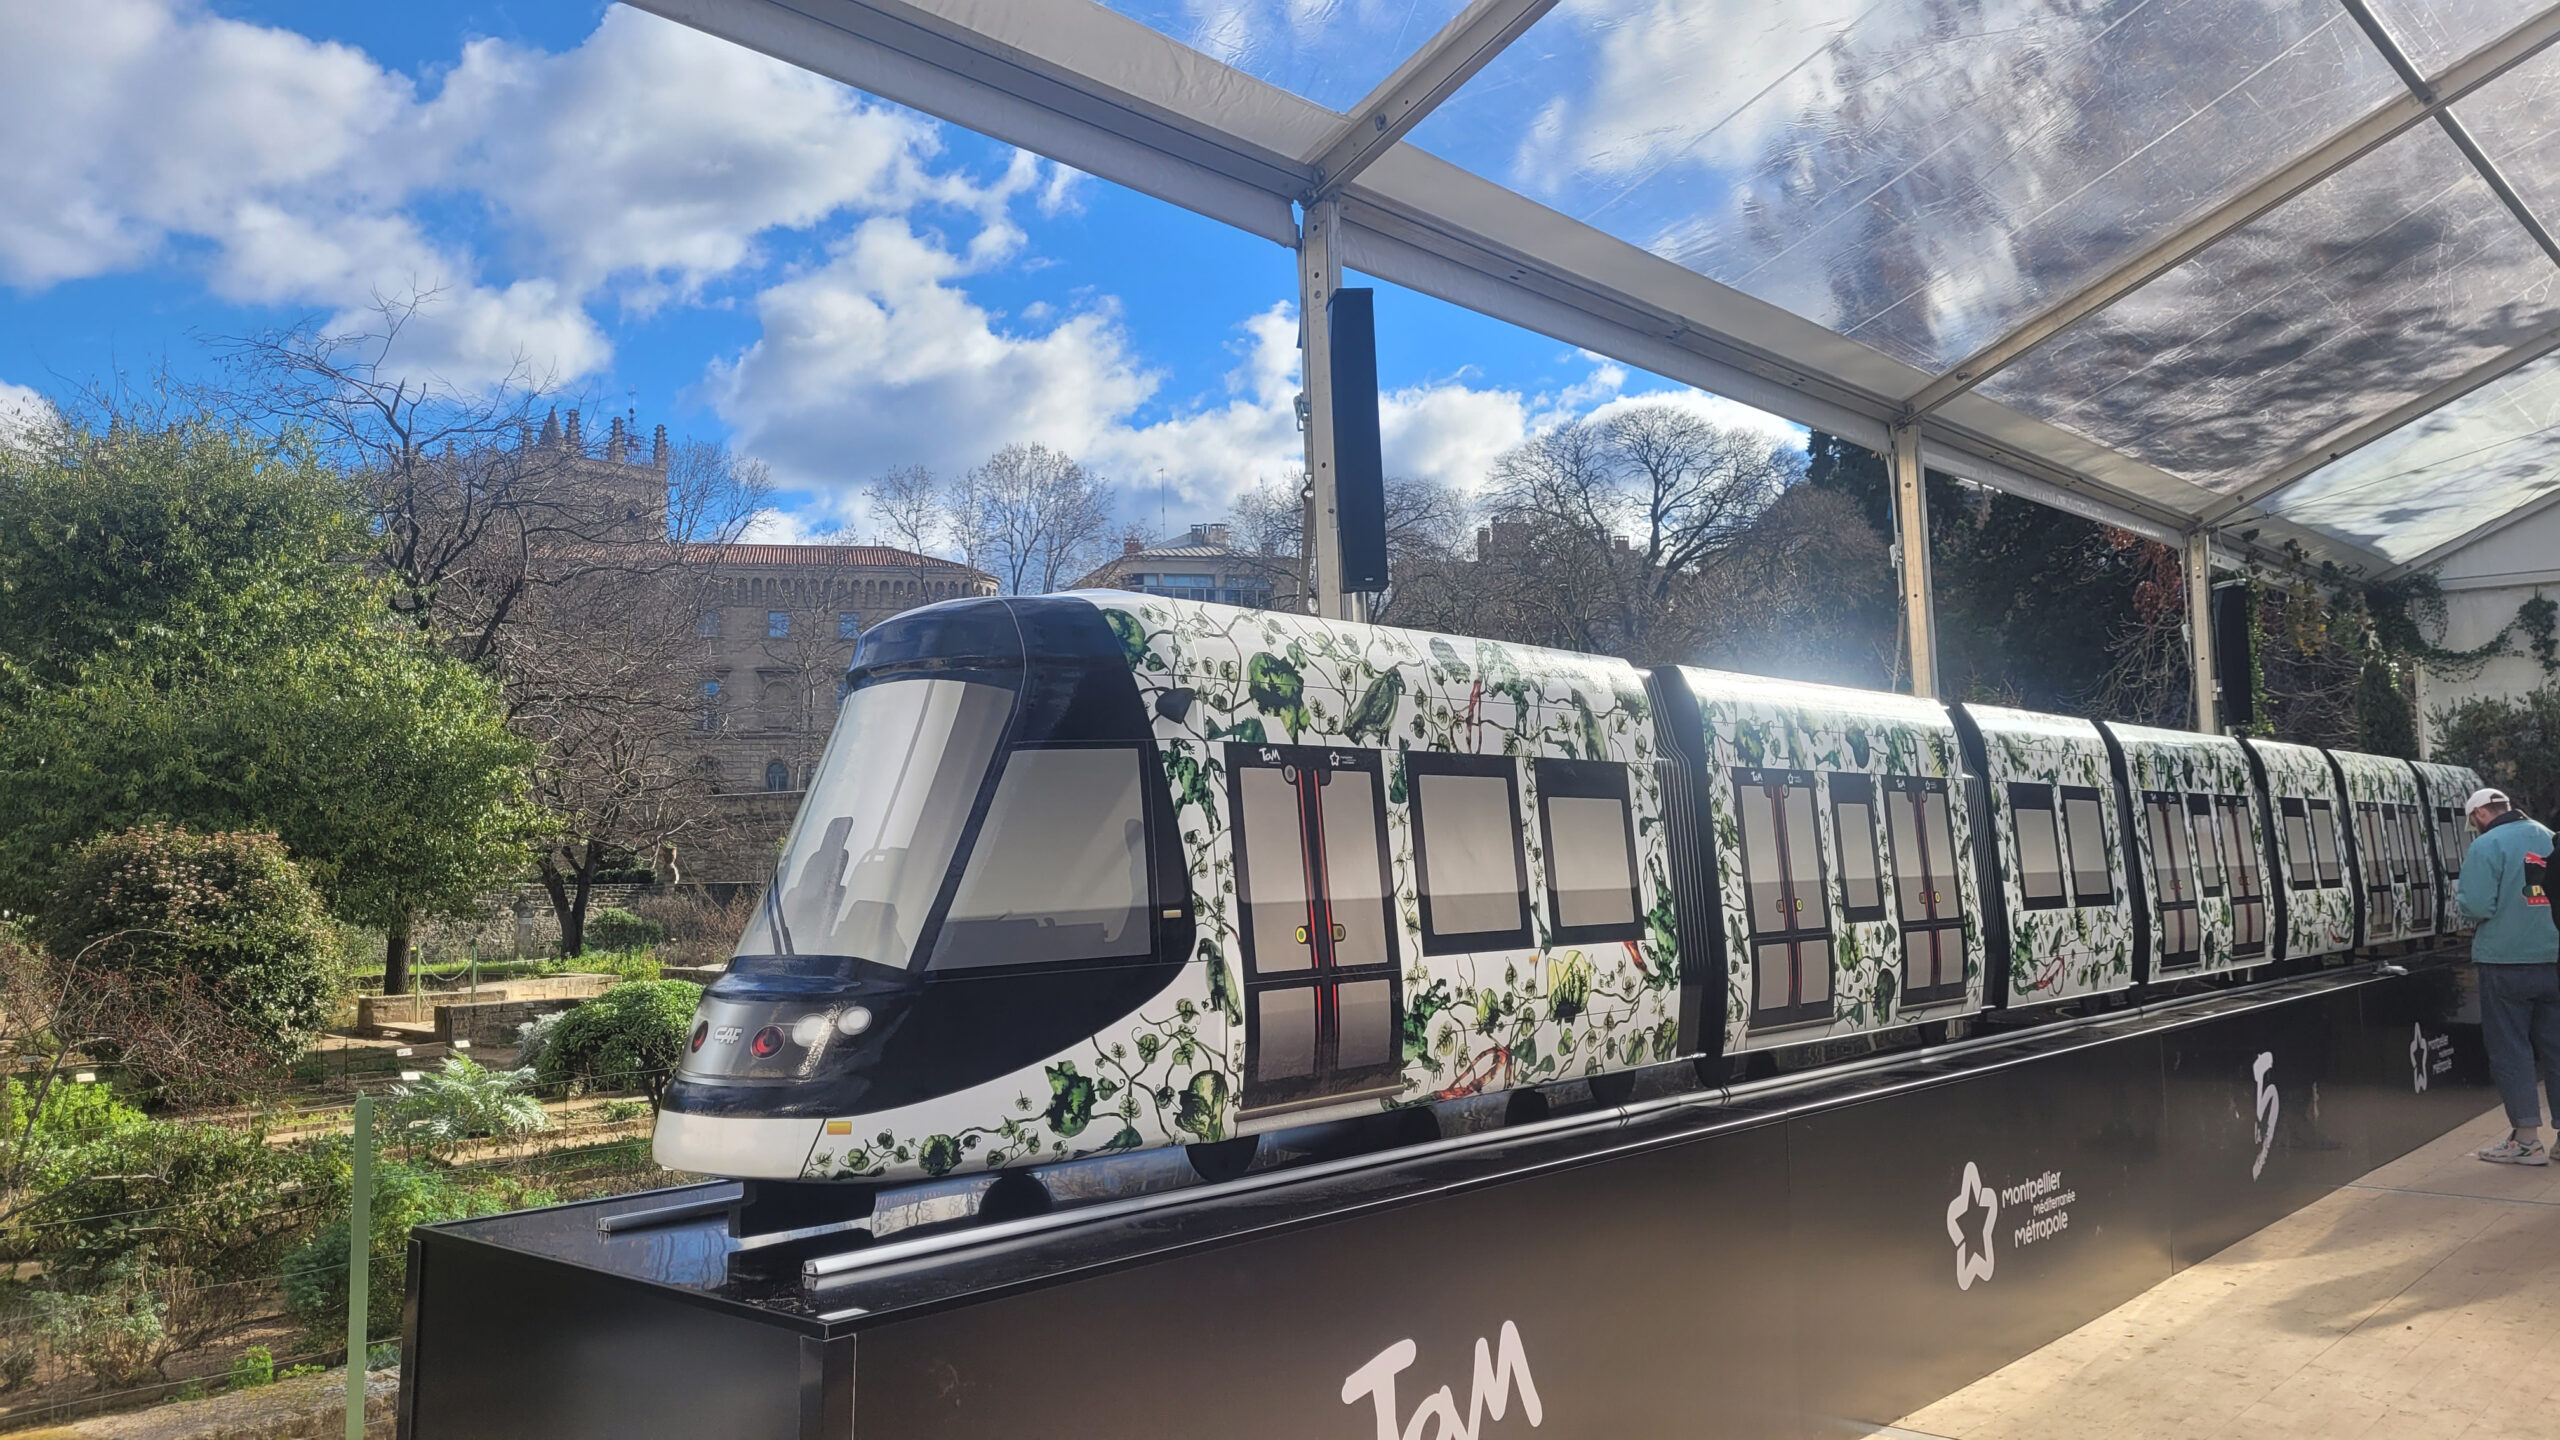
[2417, 83]
[1430, 75]
[2285, 475]
[2377, 128]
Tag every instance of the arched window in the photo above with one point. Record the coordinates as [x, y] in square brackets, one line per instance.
[777, 776]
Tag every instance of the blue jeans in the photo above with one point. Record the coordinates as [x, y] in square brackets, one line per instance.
[2520, 1016]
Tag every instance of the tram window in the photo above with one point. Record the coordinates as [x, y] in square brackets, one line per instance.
[2173, 877]
[2412, 859]
[1590, 851]
[1275, 870]
[1789, 907]
[2297, 846]
[2092, 882]
[1918, 829]
[1467, 839]
[878, 831]
[1368, 1023]
[2248, 891]
[1853, 825]
[1285, 1047]
[1060, 868]
[2039, 846]
[2396, 820]
[2326, 851]
[2450, 841]
[2209, 862]
[1355, 869]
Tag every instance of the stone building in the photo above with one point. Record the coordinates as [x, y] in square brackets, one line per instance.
[1201, 564]
[777, 641]
[771, 638]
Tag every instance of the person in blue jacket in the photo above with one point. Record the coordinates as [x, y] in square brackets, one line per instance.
[2517, 953]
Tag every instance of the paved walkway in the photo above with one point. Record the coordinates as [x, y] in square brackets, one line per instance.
[2421, 1303]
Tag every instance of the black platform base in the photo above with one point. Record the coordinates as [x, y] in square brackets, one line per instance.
[1774, 1261]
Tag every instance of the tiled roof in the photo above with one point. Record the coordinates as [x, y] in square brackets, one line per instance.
[879, 555]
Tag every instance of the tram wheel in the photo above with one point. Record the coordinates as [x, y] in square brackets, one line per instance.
[1527, 1107]
[1220, 1161]
[1014, 1197]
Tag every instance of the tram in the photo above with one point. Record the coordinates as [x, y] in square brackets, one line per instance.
[1100, 872]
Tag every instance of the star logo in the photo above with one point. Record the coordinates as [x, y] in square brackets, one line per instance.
[1972, 1195]
[2418, 1058]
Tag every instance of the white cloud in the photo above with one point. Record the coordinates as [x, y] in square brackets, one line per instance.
[640, 166]
[23, 412]
[878, 358]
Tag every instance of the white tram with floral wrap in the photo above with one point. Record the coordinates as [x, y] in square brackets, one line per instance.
[1101, 872]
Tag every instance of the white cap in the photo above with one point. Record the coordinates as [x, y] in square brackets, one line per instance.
[2485, 797]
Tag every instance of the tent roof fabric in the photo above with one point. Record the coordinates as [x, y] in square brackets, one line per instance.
[2280, 268]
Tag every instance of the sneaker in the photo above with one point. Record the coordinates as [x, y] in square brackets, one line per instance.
[2512, 1151]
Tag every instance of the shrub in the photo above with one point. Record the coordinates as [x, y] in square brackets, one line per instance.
[175, 920]
[212, 1202]
[698, 932]
[404, 1196]
[630, 1036]
[73, 1113]
[533, 1038]
[252, 1368]
[613, 928]
[465, 1100]
[113, 1328]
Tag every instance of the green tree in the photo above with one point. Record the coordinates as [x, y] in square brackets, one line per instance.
[246, 681]
[2513, 743]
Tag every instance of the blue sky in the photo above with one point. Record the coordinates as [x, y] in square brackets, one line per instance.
[661, 222]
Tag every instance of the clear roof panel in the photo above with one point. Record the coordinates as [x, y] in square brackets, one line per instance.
[2365, 291]
[2435, 33]
[2439, 478]
[1333, 52]
[2512, 118]
[1919, 174]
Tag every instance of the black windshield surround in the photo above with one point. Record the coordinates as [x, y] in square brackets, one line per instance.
[933, 1032]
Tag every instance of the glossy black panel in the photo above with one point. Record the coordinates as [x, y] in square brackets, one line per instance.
[1263, 1341]
[506, 1347]
[2038, 1166]
[1777, 1261]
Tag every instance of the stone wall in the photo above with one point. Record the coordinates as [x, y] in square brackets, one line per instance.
[493, 1022]
[558, 992]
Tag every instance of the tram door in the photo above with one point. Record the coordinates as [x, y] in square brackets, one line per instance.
[1320, 1003]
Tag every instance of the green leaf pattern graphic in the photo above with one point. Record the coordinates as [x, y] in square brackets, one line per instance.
[2079, 949]
[1172, 1073]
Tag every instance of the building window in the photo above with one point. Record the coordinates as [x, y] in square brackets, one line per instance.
[1590, 852]
[709, 625]
[848, 625]
[777, 624]
[777, 776]
[710, 717]
[1466, 841]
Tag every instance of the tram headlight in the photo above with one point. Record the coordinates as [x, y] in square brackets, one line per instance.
[852, 1020]
[808, 1030]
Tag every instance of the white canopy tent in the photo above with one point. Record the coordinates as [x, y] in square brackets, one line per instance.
[2232, 272]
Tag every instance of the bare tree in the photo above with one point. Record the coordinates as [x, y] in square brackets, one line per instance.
[1031, 517]
[910, 508]
[1426, 521]
[1607, 531]
[527, 548]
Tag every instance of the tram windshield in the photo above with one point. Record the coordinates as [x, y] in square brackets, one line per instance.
[881, 823]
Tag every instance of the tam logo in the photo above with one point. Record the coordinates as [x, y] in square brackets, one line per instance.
[1500, 1370]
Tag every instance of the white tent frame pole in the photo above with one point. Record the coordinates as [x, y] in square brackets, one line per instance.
[1911, 529]
[2200, 660]
[1319, 275]
[1430, 75]
[2377, 128]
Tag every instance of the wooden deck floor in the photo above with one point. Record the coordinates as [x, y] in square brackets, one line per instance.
[2421, 1303]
